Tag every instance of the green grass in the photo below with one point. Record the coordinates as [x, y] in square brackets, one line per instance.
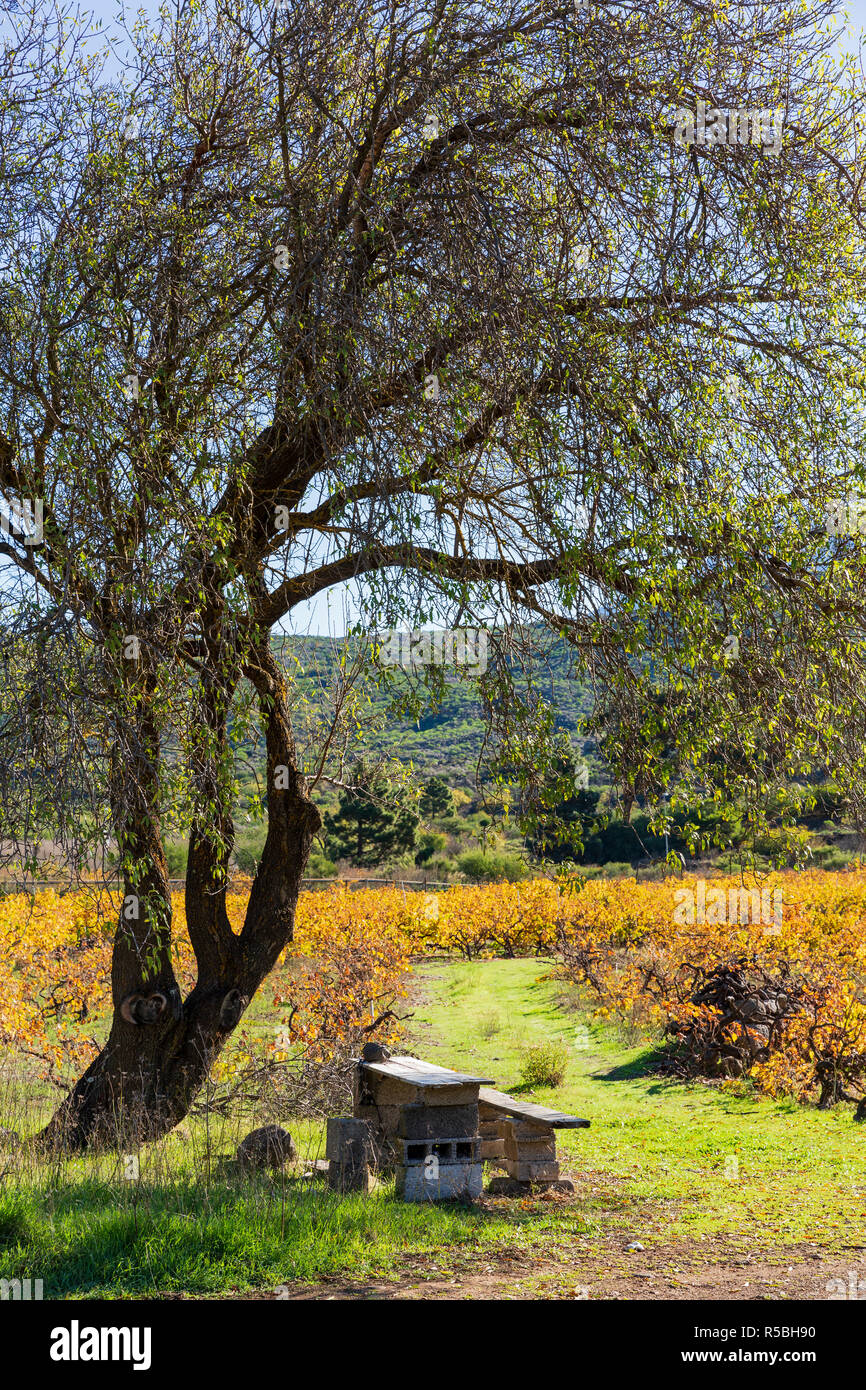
[658, 1150]
[653, 1167]
[87, 1239]
[190, 1224]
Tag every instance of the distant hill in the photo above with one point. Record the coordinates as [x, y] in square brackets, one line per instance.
[447, 739]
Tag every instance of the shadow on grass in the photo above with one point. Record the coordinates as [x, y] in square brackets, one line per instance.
[653, 1061]
[658, 1063]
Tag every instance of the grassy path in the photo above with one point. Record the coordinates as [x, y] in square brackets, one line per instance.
[727, 1193]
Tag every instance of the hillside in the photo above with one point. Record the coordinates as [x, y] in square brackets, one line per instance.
[448, 737]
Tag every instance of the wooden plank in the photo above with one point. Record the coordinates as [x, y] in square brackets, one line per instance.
[523, 1110]
[424, 1074]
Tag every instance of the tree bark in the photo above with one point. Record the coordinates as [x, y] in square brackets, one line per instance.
[147, 1075]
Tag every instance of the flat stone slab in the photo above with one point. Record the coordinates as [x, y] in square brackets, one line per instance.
[413, 1072]
[523, 1110]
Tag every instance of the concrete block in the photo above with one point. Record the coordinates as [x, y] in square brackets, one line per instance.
[488, 1113]
[545, 1171]
[431, 1121]
[382, 1117]
[350, 1177]
[530, 1149]
[461, 1150]
[391, 1090]
[348, 1139]
[492, 1148]
[453, 1182]
[523, 1130]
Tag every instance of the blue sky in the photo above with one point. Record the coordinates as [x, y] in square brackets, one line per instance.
[107, 10]
[857, 12]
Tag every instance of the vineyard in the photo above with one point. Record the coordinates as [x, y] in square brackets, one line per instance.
[776, 1001]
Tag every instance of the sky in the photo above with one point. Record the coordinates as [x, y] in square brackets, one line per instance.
[328, 614]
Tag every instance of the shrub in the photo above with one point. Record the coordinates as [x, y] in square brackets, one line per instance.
[442, 869]
[320, 866]
[246, 861]
[479, 867]
[176, 857]
[430, 843]
[544, 1063]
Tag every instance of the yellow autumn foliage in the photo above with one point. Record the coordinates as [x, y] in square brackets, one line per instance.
[352, 951]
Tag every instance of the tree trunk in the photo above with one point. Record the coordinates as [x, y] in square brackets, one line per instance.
[147, 1075]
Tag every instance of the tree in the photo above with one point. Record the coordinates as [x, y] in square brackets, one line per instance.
[560, 834]
[436, 800]
[374, 821]
[429, 844]
[428, 301]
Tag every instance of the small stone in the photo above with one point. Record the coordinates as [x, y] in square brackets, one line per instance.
[375, 1052]
[635, 1245]
[267, 1147]
[318, 1168]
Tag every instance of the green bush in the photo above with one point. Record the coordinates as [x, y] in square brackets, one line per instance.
[247, 860]
[176, 857]
[320, 866]
[830, 857]
[544, 1063]
[430, 843]
[441, 869]
[479, 867]
[489, 1024]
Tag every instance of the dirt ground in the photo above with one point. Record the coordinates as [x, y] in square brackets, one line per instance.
[665, 1273]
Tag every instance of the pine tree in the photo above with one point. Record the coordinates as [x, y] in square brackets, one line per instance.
[374, 822]
[436, 800]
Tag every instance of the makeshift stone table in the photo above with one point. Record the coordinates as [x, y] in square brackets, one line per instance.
[424, 1123]
[436, 1128]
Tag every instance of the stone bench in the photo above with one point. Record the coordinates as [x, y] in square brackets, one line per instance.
[436, 1128]
[520, 1137]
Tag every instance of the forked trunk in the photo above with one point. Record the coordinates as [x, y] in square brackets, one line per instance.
[160, 1049]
